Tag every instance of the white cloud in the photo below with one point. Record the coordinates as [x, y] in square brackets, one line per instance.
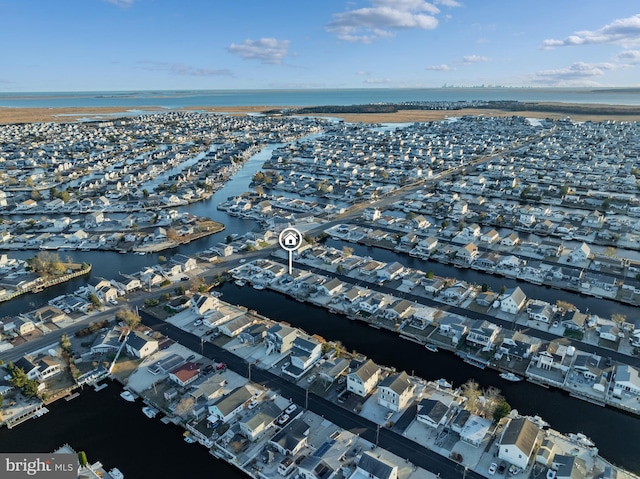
[382, 19]
[623, 31]
[121, 3]
[578, 73]
[267, 50]
[363, 73]
[629, 56]
[475, 59]
[447, 3]
[441, 68]
[185, 70]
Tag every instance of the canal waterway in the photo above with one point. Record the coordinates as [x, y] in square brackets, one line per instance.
[615, 433]
[602, 307]
[117, 434]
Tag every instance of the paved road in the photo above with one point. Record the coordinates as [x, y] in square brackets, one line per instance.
[387, 439]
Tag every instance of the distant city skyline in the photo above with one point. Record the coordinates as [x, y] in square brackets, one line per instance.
[110, 45]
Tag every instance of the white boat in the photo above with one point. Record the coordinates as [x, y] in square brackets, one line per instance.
[510, 377]
[127, 396]
[259, 287]
[188, 438]
[149, 411]
[431, 347]
[116, 474]
[443, 383]
[240, 283]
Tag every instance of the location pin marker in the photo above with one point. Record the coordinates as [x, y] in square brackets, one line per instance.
[290, 240]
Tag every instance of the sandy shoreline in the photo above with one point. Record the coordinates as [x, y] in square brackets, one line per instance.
[59, 115]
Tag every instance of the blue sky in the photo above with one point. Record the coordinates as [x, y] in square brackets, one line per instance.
[71, 45]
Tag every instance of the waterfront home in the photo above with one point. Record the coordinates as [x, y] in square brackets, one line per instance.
[227, 407]
[398, 310]
[474, 430]
[608, 283]
[432, 412]
[580, 254]
[48, 314]
[140, 345]
[235, 326]
[609, 332]
[291, 438]
[487, 298]
[518, 442]
[550, 248]
[396, 391]
[253, 334]
[467, 254]
[332, 368]
[482, 333]
[252, 425]
[374, 467]
[510, 240]
[513, 300]
[569, 467]
[185, 373]
[30, 369]
[280, 338]
[107, 341]
[432, 285]
[24, 326]
[327, 460]
[627, 378]
[364, 378]
[574, 320]
[554, 356]
[540, 311]
[201, 304]
[424, 247]
[452, 327]
[518, 345]
[186, 263]
[594, 369]
[390, 271]
[209, 389]
[126, 284]
[305, 352]
[372, 303]
[490, 237]
[332, 287]
[48, 366]
[545, 452]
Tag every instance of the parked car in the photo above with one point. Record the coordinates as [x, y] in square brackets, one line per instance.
[311, 378]
[221, 366]
[513, 470]
[253, 404]
[492, 468]
[502, 467]
[197, 322]
[292, 407]
[282, 419]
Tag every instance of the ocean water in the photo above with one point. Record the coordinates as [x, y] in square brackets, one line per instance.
[189, 98]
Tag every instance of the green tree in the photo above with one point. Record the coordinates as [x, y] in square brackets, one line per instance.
[95, 301]
[502, 410]
[30, 389]
[429, 274]
[485, 287]
[65, 343]
[82, 458]
[129, 317]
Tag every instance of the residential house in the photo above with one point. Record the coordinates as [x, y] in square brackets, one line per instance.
[235, 326]
[30, 369]
[253, 334]
[609, 332]
[580, 254]
[396, 391]
[453, 327]
[468, 253]
[474, 430]
[389, 272]
[540, 311]
[227, 407]
[432, 412]
[185, 373]
[490, 237]
[291, 438]
[574, 320]
[201, 304]
[518, 442]
[127, 284]
[24, 326]
[48, 367]
[364, 378]
[482, 333]
[305, 352]
[513, 300]
[251, 426]
[627, 379]
[518, 345]
[280, 338]
[186, 263]
[569, 467]
[332, 287]
[48, 314]
[398, 310]
[510, 240]
[554, 356]
[140, 345]
[107, 341]
[372, 467]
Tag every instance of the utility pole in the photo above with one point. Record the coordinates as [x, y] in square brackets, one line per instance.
[249, 371]
[377, 433]
[306, 399]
